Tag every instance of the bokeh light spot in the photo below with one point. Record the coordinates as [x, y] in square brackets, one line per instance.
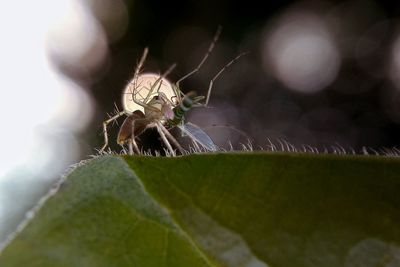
[140, 88]
[77, 39]
[301, 53]
[394, 70]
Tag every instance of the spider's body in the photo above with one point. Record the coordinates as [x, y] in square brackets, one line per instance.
[150, 101]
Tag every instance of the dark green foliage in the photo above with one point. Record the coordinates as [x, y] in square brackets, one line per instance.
[241, 209]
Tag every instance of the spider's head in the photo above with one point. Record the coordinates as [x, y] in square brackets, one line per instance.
[160, 99]
[159, 107]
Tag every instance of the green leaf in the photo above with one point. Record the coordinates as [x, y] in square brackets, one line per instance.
[254, 209]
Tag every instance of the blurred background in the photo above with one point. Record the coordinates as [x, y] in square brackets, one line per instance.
[319, 73]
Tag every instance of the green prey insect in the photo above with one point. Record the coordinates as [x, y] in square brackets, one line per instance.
[185, 102]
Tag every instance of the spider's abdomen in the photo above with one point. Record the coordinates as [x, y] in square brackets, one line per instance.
[133, 125]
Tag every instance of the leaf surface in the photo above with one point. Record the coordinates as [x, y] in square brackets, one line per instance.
[245, 209]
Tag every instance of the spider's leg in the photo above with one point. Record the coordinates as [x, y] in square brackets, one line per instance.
[219, 73]
[210, 49]
[171, 138]
[105, 123]
[158, 82]
[134, 145]
[164, 138]
[138, 68]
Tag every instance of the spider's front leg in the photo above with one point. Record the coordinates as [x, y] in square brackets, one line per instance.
[105, 123]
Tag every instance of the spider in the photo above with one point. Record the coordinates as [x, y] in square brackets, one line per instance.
[151, 101]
